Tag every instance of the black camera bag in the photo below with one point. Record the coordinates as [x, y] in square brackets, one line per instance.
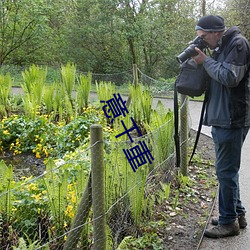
[192, 80]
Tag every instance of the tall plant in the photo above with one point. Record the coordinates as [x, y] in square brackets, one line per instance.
[161, 126]
[5, 89]
[33, 85]
[105, 91]
[136, 183]
[6, 184]
[48, 97]
[56, 184]
[122, 183]
[83, 90]
[141, 103]
[68, 74]
[62, 106]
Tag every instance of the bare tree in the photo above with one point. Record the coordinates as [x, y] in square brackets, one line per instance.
[19, 23]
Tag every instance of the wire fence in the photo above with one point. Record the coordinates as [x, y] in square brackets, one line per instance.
[160, 87]
[46, 210]
[56, 210]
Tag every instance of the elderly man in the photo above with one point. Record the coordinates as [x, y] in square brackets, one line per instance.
[228, 112]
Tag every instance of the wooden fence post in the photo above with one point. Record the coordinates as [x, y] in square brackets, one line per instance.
[135, 74]
[135, 82]
[98, 194]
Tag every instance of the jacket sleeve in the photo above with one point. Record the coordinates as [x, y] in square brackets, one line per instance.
[234, 66]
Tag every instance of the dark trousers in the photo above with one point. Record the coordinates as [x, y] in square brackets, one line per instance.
[228, 145]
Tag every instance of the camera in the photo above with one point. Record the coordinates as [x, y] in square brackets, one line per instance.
[190, 51]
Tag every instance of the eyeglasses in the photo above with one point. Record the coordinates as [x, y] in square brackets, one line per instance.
[203, 36]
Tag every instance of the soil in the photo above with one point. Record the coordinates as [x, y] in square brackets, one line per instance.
[178, 221]
[188, 221]
[25, 164]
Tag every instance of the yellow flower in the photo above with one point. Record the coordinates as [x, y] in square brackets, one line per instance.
[38, 156]
[31, 187]
[6, 132]
[45, 151]
[73, 199]
[69, 211]
[14, 209]
[17, 152]
[37, 196]
[26, 178]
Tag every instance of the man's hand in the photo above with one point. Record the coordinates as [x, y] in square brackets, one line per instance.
[200, 58]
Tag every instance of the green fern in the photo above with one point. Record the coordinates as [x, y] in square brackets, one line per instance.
[105, 91]
[6, 184]
[83, 90]
[5, 90]
[136, 193]
[29, 245]
[33, 86]
[141, 103]
[125, 242]
[48, 98]
[161, 126]
[68, 74]
[56, 185]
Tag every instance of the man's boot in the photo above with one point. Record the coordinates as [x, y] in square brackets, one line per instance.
[241, 219]
[221, 231]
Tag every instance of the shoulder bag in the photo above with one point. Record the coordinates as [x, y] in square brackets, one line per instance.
[192, 79]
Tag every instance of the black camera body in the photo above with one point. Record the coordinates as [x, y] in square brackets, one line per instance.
[190, 51]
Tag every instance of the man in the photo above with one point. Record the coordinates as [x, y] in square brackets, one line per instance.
[228, 112]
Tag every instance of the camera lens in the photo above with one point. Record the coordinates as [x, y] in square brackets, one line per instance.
[187, 53]
[190, 50]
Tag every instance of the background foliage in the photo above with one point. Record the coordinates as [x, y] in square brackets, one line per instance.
[106, 36]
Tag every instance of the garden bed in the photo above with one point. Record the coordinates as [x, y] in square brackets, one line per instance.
[179, 217]
[178, 221]
[154, 208]
[186, 224]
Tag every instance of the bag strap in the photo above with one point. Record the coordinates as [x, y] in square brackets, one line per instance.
[199, 127]
[176, 126]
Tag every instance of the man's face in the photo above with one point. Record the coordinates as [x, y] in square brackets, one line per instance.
[211, 38]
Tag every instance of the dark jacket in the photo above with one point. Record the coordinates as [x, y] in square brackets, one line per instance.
[229, 90]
